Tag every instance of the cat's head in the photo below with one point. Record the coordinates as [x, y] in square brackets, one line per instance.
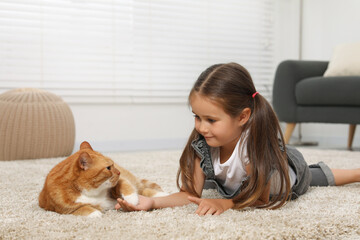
[94, 170]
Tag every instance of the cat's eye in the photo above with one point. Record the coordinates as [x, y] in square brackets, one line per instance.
[108, 168]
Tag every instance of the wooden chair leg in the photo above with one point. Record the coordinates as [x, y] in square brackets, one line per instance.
[288, 132]
[352, 128]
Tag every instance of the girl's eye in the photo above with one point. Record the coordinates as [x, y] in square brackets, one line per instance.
[108, 168]
[211, 120]
[196, 116]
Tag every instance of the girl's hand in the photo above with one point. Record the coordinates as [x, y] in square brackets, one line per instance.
[211, 206]
[145, 204]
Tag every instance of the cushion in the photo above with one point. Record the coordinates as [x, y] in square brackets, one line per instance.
[329, 91]
[345, 61]
[34, 124]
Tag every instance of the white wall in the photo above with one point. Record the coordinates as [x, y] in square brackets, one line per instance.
[162, 126]
[121, 127]
[287, 30]
[326, 23]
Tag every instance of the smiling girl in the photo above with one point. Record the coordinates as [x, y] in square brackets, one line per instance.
[237, 146]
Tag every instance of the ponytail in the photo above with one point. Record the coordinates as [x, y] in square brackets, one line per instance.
[265, 156]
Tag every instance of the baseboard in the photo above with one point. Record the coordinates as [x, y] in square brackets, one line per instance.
[329, 142]
[178, 144]
[136, 145]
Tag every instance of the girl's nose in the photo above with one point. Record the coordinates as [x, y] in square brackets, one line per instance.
[203, 129]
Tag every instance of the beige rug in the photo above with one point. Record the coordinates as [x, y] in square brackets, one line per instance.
[322, 213]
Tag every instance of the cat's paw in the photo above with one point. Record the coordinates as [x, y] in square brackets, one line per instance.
[132, 198]
[161, 194]
[95, 214]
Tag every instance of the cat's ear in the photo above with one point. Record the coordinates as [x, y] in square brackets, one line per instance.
[85, 145]
[84, 161]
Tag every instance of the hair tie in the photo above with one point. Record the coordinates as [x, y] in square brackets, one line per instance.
[253, 96]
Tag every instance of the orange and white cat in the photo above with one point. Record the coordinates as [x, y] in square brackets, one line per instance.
[87, 183]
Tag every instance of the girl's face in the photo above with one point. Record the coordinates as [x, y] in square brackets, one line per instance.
[218, 128]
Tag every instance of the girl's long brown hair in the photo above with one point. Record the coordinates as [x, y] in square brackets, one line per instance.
[231, 86]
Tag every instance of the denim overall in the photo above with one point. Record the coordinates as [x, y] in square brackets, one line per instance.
[295, 160]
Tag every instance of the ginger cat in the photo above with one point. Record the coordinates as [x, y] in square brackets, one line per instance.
[86, 183]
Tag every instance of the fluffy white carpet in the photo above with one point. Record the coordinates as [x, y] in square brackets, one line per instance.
[322, 213]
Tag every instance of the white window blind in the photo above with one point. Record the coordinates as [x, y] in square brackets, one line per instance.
[131, 51]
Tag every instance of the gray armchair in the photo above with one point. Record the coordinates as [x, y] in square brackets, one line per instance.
[301, 94]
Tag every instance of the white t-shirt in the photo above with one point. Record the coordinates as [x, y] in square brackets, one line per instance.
[230, 173]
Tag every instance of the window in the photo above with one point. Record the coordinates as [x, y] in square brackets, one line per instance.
[131, 51]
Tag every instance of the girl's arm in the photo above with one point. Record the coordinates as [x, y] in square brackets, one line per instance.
[172, 200]
[218, 206]
[211, 206]
[181, 198]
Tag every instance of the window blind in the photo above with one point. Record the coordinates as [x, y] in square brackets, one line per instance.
[131, 51]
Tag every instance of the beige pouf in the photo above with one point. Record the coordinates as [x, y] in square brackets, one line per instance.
[34, 124]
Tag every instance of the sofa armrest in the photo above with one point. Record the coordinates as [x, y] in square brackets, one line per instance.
[287, 75]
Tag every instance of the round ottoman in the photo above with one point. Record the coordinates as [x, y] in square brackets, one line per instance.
[34, 124]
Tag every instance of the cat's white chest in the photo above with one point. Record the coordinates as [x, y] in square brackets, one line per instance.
[105, 202]
[99, 196]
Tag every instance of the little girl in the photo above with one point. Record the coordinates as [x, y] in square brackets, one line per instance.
[238, 148]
